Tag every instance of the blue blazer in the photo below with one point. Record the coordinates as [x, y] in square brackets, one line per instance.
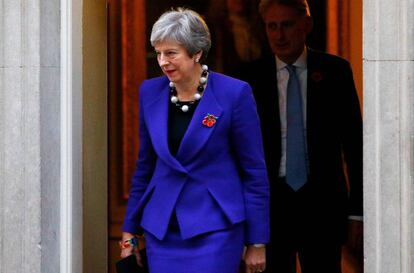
[218, 177]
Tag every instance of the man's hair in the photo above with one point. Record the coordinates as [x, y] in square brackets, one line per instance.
[300, 5]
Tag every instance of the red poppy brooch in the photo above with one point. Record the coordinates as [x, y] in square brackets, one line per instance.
[209, 120]
[317, 76]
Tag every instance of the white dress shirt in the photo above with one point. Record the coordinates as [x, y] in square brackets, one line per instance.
[282, 82]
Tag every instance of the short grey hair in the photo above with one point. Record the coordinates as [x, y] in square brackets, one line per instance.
[301, 6]
[184, 26]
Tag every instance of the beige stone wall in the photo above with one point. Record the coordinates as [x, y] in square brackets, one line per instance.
[388, 136]
[39, 233]
[20, 161]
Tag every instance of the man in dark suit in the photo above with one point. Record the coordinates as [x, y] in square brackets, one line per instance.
[312, 131]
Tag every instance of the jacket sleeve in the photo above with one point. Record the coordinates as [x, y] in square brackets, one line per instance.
[352, 139]
[247, 145]
[142, 174]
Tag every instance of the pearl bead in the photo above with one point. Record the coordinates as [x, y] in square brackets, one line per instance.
[174, 99]
[184, 108]
[197, 96]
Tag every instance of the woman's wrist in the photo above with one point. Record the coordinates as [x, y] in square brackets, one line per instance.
[258, 245]
[130, 240]
[127, 235]
[129, 243]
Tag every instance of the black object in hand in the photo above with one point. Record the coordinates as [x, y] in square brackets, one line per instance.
[129, 264]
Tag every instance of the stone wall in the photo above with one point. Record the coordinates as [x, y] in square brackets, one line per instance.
[29, 136]
[388, 135]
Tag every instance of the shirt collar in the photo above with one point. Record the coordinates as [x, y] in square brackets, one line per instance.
[300, 62]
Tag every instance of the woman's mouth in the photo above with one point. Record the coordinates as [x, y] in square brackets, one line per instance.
[169, 72]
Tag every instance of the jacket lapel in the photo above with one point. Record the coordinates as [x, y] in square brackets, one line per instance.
[197, 134]
[270, 78]
[156, 113]
[314, 77]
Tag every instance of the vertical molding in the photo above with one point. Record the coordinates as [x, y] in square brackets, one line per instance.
[372, 210]
[30, 130]
[407, 134]
[20, 141]
[129, 145]
[50, 142]
[407, 163]
[388, 136]
[344, 35]
[338, 21]
[332, 28]
[2, 131]
[66, 140]
[95, 132]
[355, 43]
[134, 71]
[71, 138]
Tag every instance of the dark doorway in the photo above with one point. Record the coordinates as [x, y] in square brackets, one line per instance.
[131, 60]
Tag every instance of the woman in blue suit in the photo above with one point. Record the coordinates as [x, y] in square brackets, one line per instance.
[199, 192]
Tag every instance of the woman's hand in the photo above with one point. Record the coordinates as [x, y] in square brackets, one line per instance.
[255, 259]
[125, 252]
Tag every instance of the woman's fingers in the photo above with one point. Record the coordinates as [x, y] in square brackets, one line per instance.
[126, 252]
[139, 258]
[255, 259]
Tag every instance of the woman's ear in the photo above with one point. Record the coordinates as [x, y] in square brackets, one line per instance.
[197, 56]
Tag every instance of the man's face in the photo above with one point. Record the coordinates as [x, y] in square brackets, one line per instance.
[286, 31]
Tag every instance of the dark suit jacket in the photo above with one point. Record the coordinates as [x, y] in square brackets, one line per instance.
[218, 177]
[334, 133]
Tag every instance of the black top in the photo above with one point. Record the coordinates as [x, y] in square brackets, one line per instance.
[178, 122]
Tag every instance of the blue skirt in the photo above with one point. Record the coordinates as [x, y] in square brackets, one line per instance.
[214, 252]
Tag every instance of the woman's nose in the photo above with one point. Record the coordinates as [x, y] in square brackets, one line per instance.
[162, 60]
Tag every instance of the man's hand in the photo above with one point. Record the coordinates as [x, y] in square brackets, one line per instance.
[355, 239]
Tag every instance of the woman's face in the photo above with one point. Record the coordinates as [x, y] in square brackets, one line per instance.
[175, 62]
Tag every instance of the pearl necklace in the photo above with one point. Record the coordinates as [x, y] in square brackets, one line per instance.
[197, 96]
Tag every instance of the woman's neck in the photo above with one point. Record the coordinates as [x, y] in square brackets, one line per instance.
[187, 89]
